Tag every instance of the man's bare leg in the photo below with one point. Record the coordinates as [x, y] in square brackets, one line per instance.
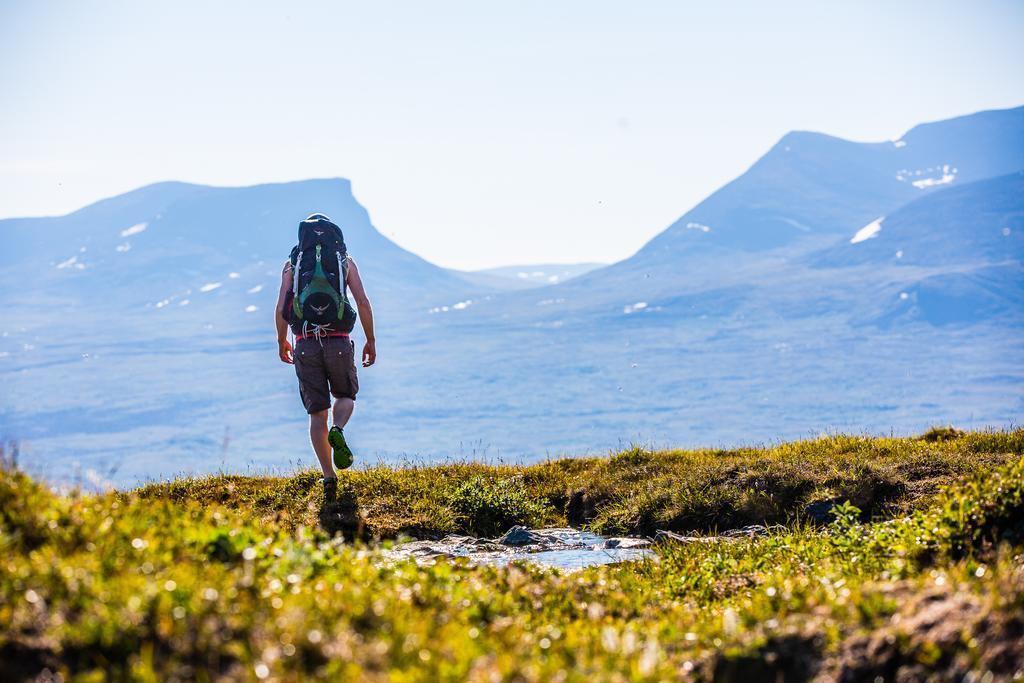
[343, 408]
[318, 437]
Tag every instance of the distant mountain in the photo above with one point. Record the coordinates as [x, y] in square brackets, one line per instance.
[190, 252]
[953, 256]
[147, 319]
[527, 276]
[986, 294]
[809, 192]
[980, 222]
[813, 184]
[833, 286]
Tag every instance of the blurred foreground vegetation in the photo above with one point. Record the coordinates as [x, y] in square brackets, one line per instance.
[916, 572]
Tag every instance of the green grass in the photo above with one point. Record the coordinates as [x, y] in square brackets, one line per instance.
[633, 492]
[191, 580]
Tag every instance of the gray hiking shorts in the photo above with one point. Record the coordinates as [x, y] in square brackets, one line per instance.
[326, 367]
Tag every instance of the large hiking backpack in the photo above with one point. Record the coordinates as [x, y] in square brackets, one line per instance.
[319, 265]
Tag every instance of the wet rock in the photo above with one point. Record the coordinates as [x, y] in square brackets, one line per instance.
[662, 536]
[456, 539]
[520, 535]
[423, 549]
[563, 537]
[753, 530]
[627, 543]
[470, 543]
[820, 511]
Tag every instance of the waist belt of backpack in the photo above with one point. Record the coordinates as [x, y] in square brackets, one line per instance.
[300, 337]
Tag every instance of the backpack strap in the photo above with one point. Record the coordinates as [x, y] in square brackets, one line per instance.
[342, 268]
[295, 270]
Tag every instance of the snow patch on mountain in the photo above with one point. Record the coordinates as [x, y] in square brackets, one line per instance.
[134, 230]
[869, 231]
[947, 174]
[931, 182]
[633, 308]
[71, 263]
[460, 306]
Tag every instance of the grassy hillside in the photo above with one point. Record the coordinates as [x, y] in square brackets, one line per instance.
[196, 580]
[635, 491]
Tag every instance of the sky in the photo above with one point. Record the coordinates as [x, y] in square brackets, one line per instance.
[476, 134]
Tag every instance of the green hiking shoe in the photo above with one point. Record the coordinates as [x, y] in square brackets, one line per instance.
[342, 453]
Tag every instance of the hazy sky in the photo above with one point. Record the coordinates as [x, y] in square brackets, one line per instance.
[476, 133]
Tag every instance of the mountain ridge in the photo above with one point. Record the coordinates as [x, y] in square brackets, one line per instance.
[152, 324]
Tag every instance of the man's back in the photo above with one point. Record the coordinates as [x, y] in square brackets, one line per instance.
[312, 302]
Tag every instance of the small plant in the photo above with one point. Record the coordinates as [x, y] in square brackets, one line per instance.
[846, 516]
[490, 506]
[940, 434]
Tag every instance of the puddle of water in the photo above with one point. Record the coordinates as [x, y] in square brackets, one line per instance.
[567, 549]
[577, 558]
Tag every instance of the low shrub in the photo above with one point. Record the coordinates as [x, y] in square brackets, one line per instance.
[488, 506]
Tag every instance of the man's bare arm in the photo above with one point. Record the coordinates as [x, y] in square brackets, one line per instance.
[284, 347]
[355, 285]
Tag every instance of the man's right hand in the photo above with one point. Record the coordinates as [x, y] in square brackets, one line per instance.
[284, 350]
[369, 353]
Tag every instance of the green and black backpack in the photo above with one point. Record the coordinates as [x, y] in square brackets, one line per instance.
[319, 266]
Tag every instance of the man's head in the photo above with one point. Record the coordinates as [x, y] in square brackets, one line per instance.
[318, 217]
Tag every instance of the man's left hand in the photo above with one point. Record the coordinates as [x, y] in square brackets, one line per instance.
[369, 353]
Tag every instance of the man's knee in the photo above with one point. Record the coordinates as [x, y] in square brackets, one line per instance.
[318, 419]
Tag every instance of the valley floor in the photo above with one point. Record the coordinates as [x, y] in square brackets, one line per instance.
[893, 558]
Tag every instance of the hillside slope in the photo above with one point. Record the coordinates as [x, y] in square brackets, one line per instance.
[808, 192]
[812, 184]
[172, 242]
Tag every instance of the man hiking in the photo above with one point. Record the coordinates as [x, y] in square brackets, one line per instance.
[312, 302]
